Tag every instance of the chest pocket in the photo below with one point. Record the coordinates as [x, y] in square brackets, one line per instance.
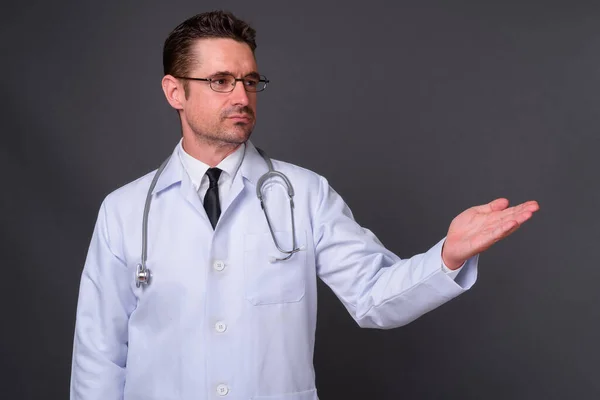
[276, 282]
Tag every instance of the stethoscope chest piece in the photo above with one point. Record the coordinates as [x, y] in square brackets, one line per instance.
[142, 275]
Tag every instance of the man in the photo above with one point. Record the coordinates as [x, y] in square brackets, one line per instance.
[230, 308]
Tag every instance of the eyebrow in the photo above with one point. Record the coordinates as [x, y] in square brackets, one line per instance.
[253, 74]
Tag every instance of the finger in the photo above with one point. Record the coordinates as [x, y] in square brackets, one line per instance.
[513, 212]
[509, 228]
[528, 205]
[499, 217]
[532, 205]
[504, 229]
[498, 231]
[520, 218]
[495, 205]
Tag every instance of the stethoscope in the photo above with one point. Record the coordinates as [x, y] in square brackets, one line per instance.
[143, 274]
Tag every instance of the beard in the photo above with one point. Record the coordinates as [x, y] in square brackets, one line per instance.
[226, 132]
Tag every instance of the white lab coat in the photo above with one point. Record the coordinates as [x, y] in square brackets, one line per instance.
[218, 320]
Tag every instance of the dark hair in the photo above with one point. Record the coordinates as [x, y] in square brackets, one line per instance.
[177, 55]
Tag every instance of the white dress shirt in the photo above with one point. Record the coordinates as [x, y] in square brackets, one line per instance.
[196, 170]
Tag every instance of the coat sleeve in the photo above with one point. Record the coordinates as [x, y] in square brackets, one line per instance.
[105, 302]
[379, 289]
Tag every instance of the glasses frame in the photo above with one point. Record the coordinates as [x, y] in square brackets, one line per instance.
[262, 78]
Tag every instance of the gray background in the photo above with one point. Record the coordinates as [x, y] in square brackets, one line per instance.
[414, 111]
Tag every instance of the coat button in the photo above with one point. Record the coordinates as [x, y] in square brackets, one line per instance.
[220, 326]
[222, 390]
[219, 265]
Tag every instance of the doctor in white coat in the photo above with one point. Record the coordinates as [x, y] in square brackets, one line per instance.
[221, 318]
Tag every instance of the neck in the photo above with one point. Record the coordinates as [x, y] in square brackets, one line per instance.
[210, 153]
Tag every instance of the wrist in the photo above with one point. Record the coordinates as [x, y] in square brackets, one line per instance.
[450, 262]
[452, 265]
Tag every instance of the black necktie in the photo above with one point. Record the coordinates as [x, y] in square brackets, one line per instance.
[211, 199]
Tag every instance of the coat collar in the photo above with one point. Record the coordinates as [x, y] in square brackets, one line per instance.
[252, 168]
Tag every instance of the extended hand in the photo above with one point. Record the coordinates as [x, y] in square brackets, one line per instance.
[477, 228]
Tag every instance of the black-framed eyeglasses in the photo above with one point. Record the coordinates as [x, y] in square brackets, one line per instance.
[225, 83]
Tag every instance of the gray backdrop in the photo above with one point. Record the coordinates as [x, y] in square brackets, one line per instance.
[414, 111]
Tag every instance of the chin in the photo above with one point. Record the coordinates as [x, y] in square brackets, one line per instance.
[237, 137]
[241, 131]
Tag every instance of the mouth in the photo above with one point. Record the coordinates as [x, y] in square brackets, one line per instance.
[240, 118]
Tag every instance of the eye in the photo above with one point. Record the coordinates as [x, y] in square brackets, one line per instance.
[222, 80]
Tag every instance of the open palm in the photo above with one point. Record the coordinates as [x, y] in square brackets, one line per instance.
[477, 228]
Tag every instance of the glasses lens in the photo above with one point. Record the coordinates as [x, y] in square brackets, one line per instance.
[254, 84]
[222, 83]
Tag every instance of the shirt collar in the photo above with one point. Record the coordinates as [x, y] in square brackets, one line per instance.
[196, 169]
[251, 167]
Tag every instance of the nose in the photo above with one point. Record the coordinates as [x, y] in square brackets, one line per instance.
[239, 95]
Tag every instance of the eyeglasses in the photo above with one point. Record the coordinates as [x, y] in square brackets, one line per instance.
[225, 83]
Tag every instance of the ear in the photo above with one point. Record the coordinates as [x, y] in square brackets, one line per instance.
[174, 91]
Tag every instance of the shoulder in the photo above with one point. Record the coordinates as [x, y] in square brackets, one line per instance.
[135, 192]
[314, 190]
[301, 174]
[307, 184]
[129, 196]
[120, 209]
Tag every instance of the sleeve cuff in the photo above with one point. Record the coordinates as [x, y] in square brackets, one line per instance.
[452, 273]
